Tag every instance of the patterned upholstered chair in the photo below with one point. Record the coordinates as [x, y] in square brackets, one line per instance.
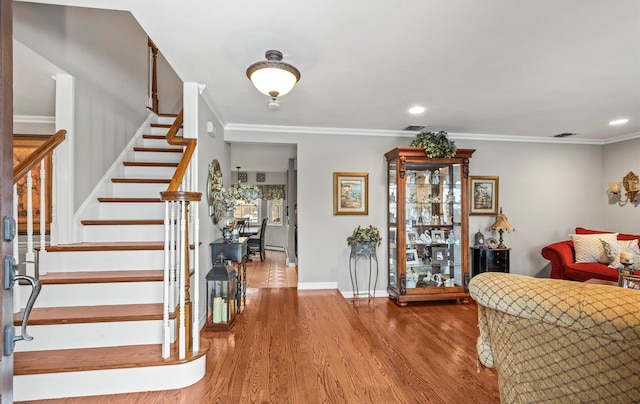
[558, 341]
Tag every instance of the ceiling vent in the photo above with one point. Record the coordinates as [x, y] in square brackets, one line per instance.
[414, 128]
[566, 134]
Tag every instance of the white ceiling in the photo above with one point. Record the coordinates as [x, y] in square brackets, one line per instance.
[502, 67]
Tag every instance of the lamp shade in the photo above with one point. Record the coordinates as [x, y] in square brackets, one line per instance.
[273, 77]
[501, 223]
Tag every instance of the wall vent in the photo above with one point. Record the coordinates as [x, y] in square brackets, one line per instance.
[565, 134]
[414, 128]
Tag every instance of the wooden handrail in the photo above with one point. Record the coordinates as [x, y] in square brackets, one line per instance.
[38, 154]
[175, 140]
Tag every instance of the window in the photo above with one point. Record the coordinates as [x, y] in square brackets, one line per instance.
[250, 210]
[275, 212]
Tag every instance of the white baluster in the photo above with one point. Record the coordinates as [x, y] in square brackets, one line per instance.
[183, 272]
[172, 257]
[30, 256]
[16, 248]
[166, 339]
[196, 278]
[42, 256]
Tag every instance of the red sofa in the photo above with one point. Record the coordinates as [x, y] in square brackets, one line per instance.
[563, 265]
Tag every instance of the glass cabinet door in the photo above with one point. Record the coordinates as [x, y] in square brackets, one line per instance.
[433, 225]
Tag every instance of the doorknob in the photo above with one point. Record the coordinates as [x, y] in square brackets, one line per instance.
[10, 278]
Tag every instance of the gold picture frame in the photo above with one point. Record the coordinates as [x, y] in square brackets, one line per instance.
[629, 281]
[23, 146]
[350, 193]
[483, 195]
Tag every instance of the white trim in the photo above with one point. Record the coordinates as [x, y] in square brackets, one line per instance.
[235, 129]
[208, 99]
[34, 119]
[317, 285]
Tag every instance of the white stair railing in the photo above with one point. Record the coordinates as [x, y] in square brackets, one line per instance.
[179, 227]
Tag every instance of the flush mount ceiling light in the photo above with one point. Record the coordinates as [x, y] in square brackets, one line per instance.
[273, 77]
[619, 121]
[417, 110]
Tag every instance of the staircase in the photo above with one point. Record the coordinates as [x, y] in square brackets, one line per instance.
[97, 324]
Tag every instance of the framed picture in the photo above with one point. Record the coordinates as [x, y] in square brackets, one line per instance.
[483, 194]
[23, 146]
[439, 256]
[412, 236]
[261, 177]
[629, 281]
[412, 257]
[242, 177]
[437, 237]
[350, 193]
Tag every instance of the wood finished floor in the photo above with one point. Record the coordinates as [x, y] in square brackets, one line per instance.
[292, 346]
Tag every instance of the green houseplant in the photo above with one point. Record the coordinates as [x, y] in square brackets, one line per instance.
[364, 238]
[435, 144]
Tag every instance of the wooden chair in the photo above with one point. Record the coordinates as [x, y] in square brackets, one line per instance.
[256, 243]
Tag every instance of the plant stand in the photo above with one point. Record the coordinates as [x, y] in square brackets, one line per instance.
[363, 251]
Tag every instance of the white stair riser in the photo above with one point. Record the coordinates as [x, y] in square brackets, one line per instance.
[148, 172]
[104, 233]
[112, 381]
[126, 210]
[91, 335]
[155, 143]
[137, 190]
[160, 131]
[72, 261]
[94, 294]
[157, 157]
[167, 120]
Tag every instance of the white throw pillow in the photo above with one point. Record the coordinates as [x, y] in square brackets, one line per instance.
[589, 248]
[612, 251]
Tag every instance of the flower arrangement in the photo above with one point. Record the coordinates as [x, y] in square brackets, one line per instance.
[435, 144]
[225, 199]
[364, 235]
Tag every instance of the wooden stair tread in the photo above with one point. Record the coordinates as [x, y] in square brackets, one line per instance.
[158, 137]
[158, 149]
[121, 222]
[91, 314]
[148, 164]
[121, 357]
[161, 125]
[109, 246]
[128, 200]
[141, 180]
[64, 278]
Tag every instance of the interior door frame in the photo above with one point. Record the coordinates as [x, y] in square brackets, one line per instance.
[6, 185]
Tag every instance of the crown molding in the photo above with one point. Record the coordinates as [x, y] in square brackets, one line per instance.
[236, 128]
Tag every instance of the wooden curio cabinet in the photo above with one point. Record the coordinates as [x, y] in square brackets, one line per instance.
[428, 230]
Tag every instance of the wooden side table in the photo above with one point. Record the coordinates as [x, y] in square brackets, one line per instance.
[489, 260]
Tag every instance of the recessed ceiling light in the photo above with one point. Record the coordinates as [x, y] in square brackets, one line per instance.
[619, 121]
[416, 110]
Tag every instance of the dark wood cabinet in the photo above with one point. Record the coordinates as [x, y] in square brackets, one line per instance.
[489, 260]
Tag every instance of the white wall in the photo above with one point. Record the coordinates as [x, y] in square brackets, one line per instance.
[106, 52]
[619, 159]
[546, 190]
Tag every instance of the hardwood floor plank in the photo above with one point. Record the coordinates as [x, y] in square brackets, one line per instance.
[314, 346]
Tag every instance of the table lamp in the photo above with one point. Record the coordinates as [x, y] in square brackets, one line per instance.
[501, 224]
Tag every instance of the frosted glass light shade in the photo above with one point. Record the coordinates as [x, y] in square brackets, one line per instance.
[272, 80]
[273, 77]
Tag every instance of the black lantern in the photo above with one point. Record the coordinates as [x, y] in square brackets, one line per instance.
[222, 302]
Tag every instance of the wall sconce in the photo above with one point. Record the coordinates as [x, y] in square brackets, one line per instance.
[631, 185]
[273, 77]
